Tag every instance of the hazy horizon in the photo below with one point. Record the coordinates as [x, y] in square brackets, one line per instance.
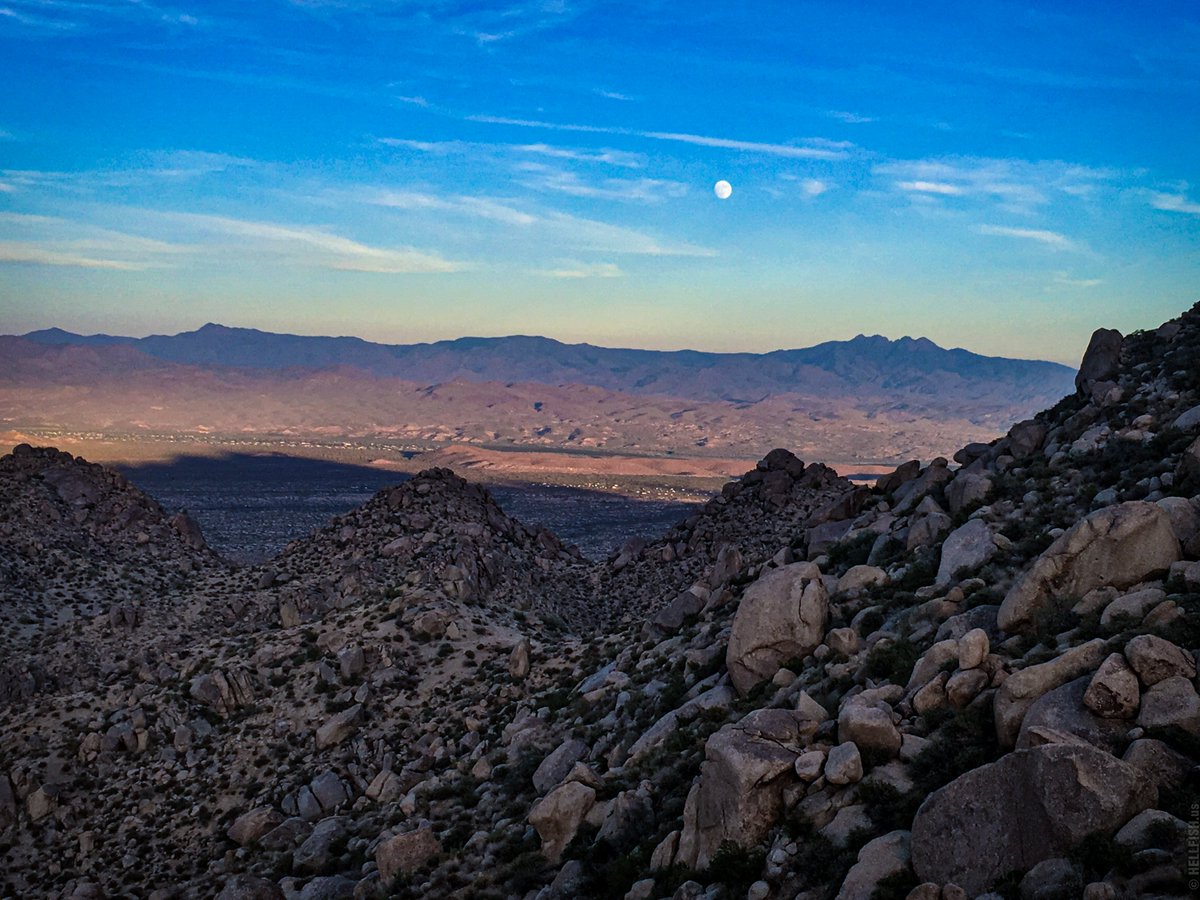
[468, 337]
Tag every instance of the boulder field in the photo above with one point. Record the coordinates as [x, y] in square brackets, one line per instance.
[975, 678]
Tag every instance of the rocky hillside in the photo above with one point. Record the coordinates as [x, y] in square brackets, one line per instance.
[80, 544]
[977, 679]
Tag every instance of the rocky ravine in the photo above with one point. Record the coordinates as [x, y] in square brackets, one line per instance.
[969, 681]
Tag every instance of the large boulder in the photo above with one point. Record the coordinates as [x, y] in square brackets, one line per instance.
[8, 804]
[1028, 806]
[1062, 716]
[1022, 689]
[965, 550]
[223, 691]
[870, 727]
[1171, 703]
[1189, 462]
[519, 660]
[858, 578]
[339, 726]
[557, 816]
[405, 853]
[781, 616]
[1118, 546]
[739, 795]
[1026, 437]
[316, 852]
[250, 887]
[967, 489]
[250, 826]
[1156, 659]
[880, 859]
[1113, 691]
[1101, 360]
[558, 763]
[1165, 768]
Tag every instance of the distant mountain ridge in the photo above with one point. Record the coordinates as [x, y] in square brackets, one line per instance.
[877, 373]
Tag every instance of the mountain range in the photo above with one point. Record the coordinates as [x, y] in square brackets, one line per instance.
[905, 369]
[869, 398]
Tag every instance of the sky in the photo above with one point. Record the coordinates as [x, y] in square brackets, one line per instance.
[999, 176]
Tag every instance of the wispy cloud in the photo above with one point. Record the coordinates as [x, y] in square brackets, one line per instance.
[1175, 203]
[1051, 239]
[544, 227]
[36, 254]
[66, 16]
[612, 95]
[605, 155]
[930, 187]
[53, 241]
[478, 207]
[1016, 185]
[602, 237]
[825, 150]
[1062, 279]
[849, 117]
[314, 246]
[807, 148]
[639, 190]
[143, 169]
[572, 269]
[439, 147]
[552, 126]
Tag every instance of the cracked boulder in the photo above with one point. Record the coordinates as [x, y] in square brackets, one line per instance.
[1118, 546]
[739, 794]
[781, 616]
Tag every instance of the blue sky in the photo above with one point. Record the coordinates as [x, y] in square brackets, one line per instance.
[998, 176]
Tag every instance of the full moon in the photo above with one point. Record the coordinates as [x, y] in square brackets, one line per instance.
[723, 190]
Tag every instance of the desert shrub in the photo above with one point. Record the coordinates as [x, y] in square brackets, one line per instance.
[853, 552]
[892, 661]
[965, 740]
[888, 808]
[1100, 854]
[895, 887]
[1053, 619]
[735, 867]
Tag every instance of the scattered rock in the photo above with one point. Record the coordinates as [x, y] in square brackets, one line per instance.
[1113, 691]
[250, 826]
[1155, 659]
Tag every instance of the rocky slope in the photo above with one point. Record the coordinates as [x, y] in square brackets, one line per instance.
[972, 680]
